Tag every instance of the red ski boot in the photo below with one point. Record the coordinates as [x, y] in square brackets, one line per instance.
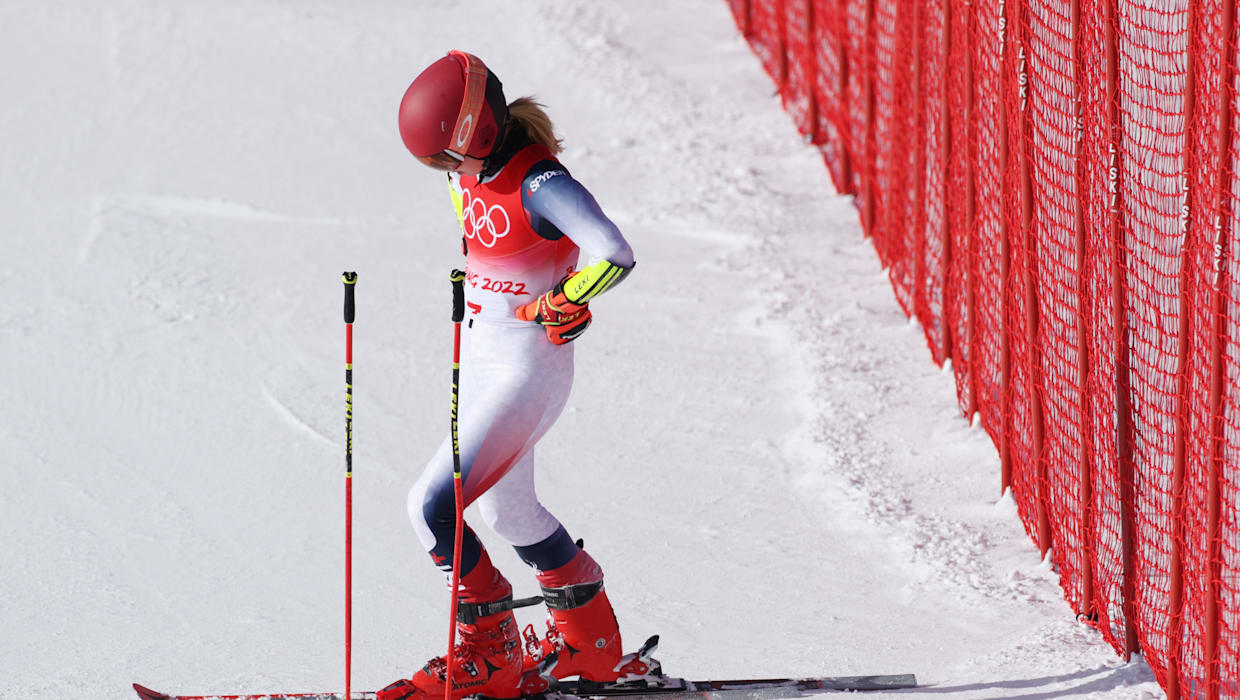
[487, 657]
[582, 629]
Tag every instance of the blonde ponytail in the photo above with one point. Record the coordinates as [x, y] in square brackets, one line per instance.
[531, 115]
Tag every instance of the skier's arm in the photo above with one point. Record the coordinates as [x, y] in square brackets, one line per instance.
[550, 195]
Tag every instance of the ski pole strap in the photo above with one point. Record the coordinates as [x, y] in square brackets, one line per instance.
[458, 295]
[469, 613]
[570, 597]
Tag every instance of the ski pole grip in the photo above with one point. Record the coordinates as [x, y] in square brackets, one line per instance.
[458, 295]
[350, 282]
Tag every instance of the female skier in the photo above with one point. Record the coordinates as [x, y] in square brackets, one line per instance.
[524, 220]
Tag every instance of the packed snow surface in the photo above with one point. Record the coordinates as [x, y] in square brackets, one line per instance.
[758, 449]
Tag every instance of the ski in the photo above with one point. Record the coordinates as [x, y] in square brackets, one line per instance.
[748, 687]
[654, 686]
[650, 689]
[148, 694]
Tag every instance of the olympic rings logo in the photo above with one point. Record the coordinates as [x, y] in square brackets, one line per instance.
[481, 223]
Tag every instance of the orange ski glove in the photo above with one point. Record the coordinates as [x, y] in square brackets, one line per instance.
[563, 319]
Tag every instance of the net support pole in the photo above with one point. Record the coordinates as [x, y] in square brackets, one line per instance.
[842, 119]
[781, 25]
[1119, 311]
[869, 69]
[946, 155]
[970, 218]
[1029, 233]
[811, 76]
[1218, 340]
[914, 235]
[1084, 329]
[1005, 262]
[1175, 604]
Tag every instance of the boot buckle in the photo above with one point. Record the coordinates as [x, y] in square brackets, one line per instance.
[554, 638]
[533, 647]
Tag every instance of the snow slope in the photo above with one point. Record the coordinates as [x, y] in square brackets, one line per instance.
[758, 449]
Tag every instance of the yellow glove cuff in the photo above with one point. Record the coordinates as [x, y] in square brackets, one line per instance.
[594, 280]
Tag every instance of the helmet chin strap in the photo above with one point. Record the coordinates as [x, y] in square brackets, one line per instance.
[498, 157]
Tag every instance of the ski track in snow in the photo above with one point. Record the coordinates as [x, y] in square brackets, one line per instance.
[778, 481]
[291, 417]
[177, 207]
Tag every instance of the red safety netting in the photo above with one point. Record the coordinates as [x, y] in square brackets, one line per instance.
[1205, 391]
[1227, 573]
[1106, 344]
[926, 48]
[857, 52]
[1055, 193]
[882, 159]
[960, 202]
[763, 27]
[829, 76]
[798, 33]
[1063, 311]
[1022, 420]
[1152, 52]
[989, 142]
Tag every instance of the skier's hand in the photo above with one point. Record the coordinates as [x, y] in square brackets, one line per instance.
[563, 319]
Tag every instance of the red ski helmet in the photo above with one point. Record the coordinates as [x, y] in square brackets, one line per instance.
[454, 108]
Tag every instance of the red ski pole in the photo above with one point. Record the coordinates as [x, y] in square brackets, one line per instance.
[350, 282]
[458, 314]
